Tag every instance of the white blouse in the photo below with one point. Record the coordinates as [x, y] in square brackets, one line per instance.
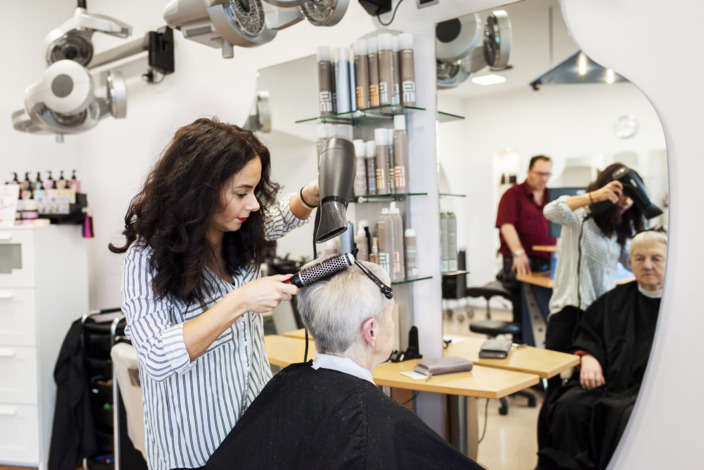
[190, 407]
[587, 262]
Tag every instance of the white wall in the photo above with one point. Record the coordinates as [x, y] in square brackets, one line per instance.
[561, 121]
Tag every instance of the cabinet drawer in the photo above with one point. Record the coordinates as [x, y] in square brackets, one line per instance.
[19, 434]
[16, 258]
[17, 316]
[18, 369]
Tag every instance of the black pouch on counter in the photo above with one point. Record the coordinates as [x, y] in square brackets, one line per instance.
[443, 365]
[495, 348]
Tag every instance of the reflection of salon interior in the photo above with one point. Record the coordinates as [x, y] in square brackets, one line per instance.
[466, 146]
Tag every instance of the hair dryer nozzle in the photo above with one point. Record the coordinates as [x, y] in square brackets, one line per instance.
[336, 179]
[634, 188]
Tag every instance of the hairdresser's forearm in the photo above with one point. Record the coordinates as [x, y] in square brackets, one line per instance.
[202, 331]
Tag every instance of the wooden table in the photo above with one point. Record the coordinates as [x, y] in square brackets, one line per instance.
[528, 359]
[480, 382]
[542, 362]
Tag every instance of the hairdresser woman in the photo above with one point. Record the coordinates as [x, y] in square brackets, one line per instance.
[191, 288]
[595, 237]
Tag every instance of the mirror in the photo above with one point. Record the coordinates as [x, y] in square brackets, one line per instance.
[582, 127]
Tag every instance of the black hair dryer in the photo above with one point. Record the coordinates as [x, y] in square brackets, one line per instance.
[634, 188]
[336, 181]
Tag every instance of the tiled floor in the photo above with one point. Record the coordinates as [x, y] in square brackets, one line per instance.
[510, 442]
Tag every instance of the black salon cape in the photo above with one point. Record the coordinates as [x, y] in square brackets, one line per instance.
[584, 426]
[325, 419]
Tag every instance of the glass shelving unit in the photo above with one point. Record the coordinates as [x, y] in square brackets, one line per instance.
[384, 197]
[409, 281]
[374, 113]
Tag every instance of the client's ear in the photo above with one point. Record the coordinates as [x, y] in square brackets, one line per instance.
[369, 331]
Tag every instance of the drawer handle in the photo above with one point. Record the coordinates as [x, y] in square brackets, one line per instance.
[8, 353]
[7, 411]
[4, 236]
[6, 294]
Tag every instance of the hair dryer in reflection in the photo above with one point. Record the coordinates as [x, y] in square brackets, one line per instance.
[634, 188]
[335, 180]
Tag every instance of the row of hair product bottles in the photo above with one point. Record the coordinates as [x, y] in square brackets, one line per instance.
[32, 189]
[375, 71]
[382, 164]
[389, 245]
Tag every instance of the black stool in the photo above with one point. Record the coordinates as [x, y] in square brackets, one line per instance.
[493, 328]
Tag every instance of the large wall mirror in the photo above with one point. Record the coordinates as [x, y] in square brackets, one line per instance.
[583, 127]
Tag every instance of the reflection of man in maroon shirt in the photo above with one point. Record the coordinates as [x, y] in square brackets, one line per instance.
[521, 222]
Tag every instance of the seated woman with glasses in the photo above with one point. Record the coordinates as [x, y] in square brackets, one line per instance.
[328, 413]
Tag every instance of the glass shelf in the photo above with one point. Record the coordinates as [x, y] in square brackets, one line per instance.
[374, 113]
[384, 197]
[454, 273]
[451, 195]
[409, 281]
[361, 115]
[448, 117]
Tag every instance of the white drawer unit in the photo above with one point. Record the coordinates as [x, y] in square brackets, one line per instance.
[43, 289]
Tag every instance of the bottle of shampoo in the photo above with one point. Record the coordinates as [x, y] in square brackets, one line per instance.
[382, 161]
[371, 167]
[49, 182]
[361, 73]
[74, 183]
[360, 177]
[374, 254]
[373, 57]
[397, 262]
[386, 69]
[325, 81]
[407, 66]
[384, 235]
[341, 64]
[396, 76]
[360, 242]
[400, 146]
[411, 253]
[61, 183]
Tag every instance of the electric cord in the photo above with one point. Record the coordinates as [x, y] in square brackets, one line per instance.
[486, 417]
[393, 15]
[315, 256]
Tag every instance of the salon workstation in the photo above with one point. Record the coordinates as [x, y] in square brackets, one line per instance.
[467, 144]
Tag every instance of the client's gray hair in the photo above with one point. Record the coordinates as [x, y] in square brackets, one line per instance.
[648, 236]
[334, 309]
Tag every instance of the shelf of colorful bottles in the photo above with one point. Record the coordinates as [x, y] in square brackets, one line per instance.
[374, 113]
[384, 197]
[409, 281]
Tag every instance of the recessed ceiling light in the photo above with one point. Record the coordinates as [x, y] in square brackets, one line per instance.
[491, 79]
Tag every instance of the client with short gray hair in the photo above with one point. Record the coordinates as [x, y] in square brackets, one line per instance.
[328, 413]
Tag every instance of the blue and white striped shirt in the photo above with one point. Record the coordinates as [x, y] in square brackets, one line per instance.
[189, 407]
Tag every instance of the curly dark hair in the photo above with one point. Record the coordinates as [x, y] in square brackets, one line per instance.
[180, 197]
[611, 220]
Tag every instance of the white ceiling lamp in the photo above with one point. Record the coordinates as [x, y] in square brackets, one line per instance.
[490, 79]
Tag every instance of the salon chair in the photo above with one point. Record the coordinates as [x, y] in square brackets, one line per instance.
[492, 328]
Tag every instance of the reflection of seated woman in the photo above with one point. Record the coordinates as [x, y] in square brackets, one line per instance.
[585, 418]
[327, 413]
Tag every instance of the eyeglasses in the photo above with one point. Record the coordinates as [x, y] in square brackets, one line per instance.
[541, 174]
[386, 290]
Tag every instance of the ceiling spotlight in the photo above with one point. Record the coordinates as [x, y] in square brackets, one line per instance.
[72, 40]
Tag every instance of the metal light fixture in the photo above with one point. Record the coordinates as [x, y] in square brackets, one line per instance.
[463, 47]
[578, 68]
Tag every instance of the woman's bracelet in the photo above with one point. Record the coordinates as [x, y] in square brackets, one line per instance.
[591, 201]
[303, 201]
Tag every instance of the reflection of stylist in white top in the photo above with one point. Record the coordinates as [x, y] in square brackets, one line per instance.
[592, 242]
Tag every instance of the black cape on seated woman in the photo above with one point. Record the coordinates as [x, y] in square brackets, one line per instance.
[325, 419]
[580, 429]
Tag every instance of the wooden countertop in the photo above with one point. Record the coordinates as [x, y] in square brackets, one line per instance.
[527, 359]
[481, 381]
